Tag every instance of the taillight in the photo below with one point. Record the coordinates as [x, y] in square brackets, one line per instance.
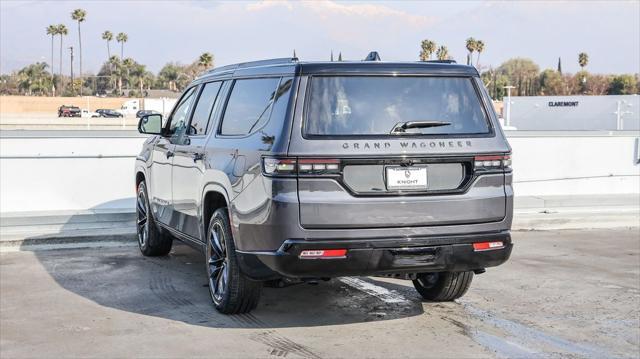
[318, 166]
[496, 162]
[279, 166]
[273, 166]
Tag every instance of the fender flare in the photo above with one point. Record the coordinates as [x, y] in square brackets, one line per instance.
[211, 187]
[139, 168]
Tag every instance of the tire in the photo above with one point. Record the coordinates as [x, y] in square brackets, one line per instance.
[231, 291]
[443, 286]
[151, 241]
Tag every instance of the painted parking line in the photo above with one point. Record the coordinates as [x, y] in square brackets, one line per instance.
[382, 293]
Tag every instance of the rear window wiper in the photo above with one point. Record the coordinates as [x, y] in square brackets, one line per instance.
[401, 127]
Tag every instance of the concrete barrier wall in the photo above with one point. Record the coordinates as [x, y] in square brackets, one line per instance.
[94, 170]
[548, 163]
[67, 173]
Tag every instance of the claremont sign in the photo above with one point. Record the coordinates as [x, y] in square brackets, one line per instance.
[563, 103]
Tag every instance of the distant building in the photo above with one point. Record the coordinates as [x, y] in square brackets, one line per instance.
[574, 113]
[162, 94]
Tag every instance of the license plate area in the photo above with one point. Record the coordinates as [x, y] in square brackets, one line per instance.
[406, 178]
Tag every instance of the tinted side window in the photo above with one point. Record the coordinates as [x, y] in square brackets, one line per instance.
[202, 111]
[249, 105]
[179, 118]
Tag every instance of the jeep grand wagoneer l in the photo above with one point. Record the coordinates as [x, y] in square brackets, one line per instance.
[282, 170]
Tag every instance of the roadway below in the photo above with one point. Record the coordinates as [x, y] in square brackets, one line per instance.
[570, 293]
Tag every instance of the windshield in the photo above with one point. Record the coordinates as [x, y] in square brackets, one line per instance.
[369, 105]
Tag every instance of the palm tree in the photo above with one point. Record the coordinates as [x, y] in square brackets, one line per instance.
[427, 47]
[169, 75]
[479, 48]
[205, 60]
[442, 53]
[79, 15]
[108, 36]
[122, 38]
[62, 31]
[471, 47]
[145, 79]
[116, 74]
[583, 60]
[34, 79]
[126, 66]
[53, 31]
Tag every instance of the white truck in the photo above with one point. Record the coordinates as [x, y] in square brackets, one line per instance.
[160, 105]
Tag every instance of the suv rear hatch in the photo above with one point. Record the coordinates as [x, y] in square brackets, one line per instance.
[396, 151]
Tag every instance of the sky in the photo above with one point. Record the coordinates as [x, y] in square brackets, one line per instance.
[163, 31]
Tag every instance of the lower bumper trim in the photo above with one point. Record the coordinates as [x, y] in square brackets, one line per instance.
[377, 257]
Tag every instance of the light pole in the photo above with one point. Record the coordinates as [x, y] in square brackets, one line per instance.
[620, 113]
[508, 119]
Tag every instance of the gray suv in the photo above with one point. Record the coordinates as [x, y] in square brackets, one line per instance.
[284, 171]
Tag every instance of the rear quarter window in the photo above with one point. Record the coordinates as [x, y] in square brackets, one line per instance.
[373, 105]
[249, 105]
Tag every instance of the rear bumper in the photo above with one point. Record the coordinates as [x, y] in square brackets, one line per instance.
[377, 256]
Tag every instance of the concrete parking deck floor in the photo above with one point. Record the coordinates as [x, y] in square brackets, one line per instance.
[563, 293]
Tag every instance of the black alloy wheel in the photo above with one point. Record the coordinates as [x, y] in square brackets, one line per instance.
[217, 263]
[142, 218]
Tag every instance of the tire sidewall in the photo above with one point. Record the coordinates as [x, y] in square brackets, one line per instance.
[142, 188]
[158, 243]
[221, 218]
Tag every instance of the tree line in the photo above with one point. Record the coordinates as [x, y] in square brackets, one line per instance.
[124, 76]
[527, 78]
[118, 76]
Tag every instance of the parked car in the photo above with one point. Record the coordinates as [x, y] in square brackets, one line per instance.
[68, 111]
[290, 171]
[146, 112]
[109, 113]
[89, 114]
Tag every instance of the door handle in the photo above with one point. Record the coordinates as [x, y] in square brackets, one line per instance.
[170, 154]
[197, 157]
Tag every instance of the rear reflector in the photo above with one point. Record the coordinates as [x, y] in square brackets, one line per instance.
[323, 253]
[487, 246]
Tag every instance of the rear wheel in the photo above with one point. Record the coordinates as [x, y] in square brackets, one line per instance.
[151, 240]
[443, 286]
[230, 290]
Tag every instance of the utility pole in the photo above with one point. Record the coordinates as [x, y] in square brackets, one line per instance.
[71, 52]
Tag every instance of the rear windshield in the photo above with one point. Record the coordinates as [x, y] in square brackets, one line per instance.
[368, 105]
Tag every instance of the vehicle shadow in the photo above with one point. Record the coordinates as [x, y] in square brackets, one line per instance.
[175, 287]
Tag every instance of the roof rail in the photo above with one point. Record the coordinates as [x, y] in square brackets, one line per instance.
[242, 65]
[442, 61]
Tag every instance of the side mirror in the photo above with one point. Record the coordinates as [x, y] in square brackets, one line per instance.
[150, 124]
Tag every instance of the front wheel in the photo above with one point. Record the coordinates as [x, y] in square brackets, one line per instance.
[443, 286]
[230, 290]
[151, 240]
